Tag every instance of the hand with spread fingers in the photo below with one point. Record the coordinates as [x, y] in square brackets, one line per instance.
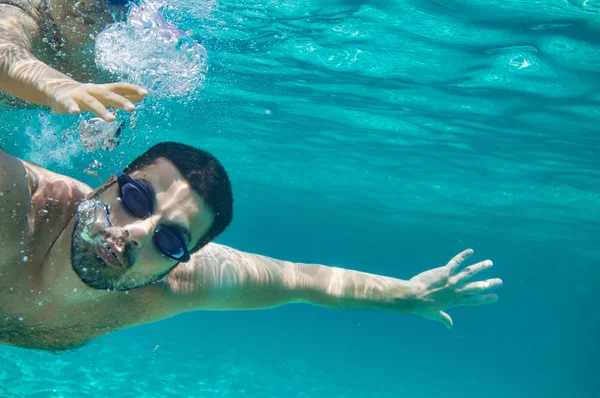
[451, 286]
[24, 76]
[96, 98]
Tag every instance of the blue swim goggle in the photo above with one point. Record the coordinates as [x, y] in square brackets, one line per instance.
[168, 240]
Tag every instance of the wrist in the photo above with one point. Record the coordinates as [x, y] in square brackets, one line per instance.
[52, 88]
[384, 293]
[403, 296]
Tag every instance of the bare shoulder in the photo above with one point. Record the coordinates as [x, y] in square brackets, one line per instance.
[15, 199]
[147, 304]
[204, 268]
[184, 289]
[27, 190]
[48, 184]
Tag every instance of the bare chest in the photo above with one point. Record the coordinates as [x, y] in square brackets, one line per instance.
[31, 313]
[38, 320]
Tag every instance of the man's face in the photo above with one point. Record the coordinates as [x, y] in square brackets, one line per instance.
[114, 249]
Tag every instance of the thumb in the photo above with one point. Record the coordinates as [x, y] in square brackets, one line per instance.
[64, 103]
[65, 106]
[445, 319]
[71, 107]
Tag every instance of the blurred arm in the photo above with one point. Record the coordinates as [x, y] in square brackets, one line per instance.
[24, 76]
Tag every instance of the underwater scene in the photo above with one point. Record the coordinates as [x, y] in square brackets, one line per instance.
[379, 136]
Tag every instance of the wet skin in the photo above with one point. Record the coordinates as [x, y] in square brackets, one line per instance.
[49, 302]
[45, 292]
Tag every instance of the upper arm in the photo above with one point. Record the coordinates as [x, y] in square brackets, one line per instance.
[15, 199]
[16, 27]
[222, 278]
[17, 32]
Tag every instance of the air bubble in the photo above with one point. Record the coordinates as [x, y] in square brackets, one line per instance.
[152, 53]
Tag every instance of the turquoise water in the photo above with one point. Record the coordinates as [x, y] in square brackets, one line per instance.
[384, 136]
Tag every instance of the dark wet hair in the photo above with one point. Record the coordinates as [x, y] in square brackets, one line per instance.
[204, 173]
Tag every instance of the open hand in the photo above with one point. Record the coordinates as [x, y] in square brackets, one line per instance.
[96, 98]
[449, 286]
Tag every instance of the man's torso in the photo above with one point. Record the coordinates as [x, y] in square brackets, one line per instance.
[35, 207]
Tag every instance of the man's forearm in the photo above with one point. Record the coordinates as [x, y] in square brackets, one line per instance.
[348, 289]
[219, 277]
[27, 78]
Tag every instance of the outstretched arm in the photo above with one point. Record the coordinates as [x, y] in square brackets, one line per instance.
[221, 278]
[24, 76]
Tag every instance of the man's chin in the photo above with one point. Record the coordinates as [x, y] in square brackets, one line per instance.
[91, 270]
[94, 278]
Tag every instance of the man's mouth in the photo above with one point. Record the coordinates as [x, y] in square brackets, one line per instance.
[106, 253]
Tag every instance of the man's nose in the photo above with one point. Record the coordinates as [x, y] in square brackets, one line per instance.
[139, 233]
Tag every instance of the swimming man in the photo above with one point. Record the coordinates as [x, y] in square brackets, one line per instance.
[35, 33]
[77, 263]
